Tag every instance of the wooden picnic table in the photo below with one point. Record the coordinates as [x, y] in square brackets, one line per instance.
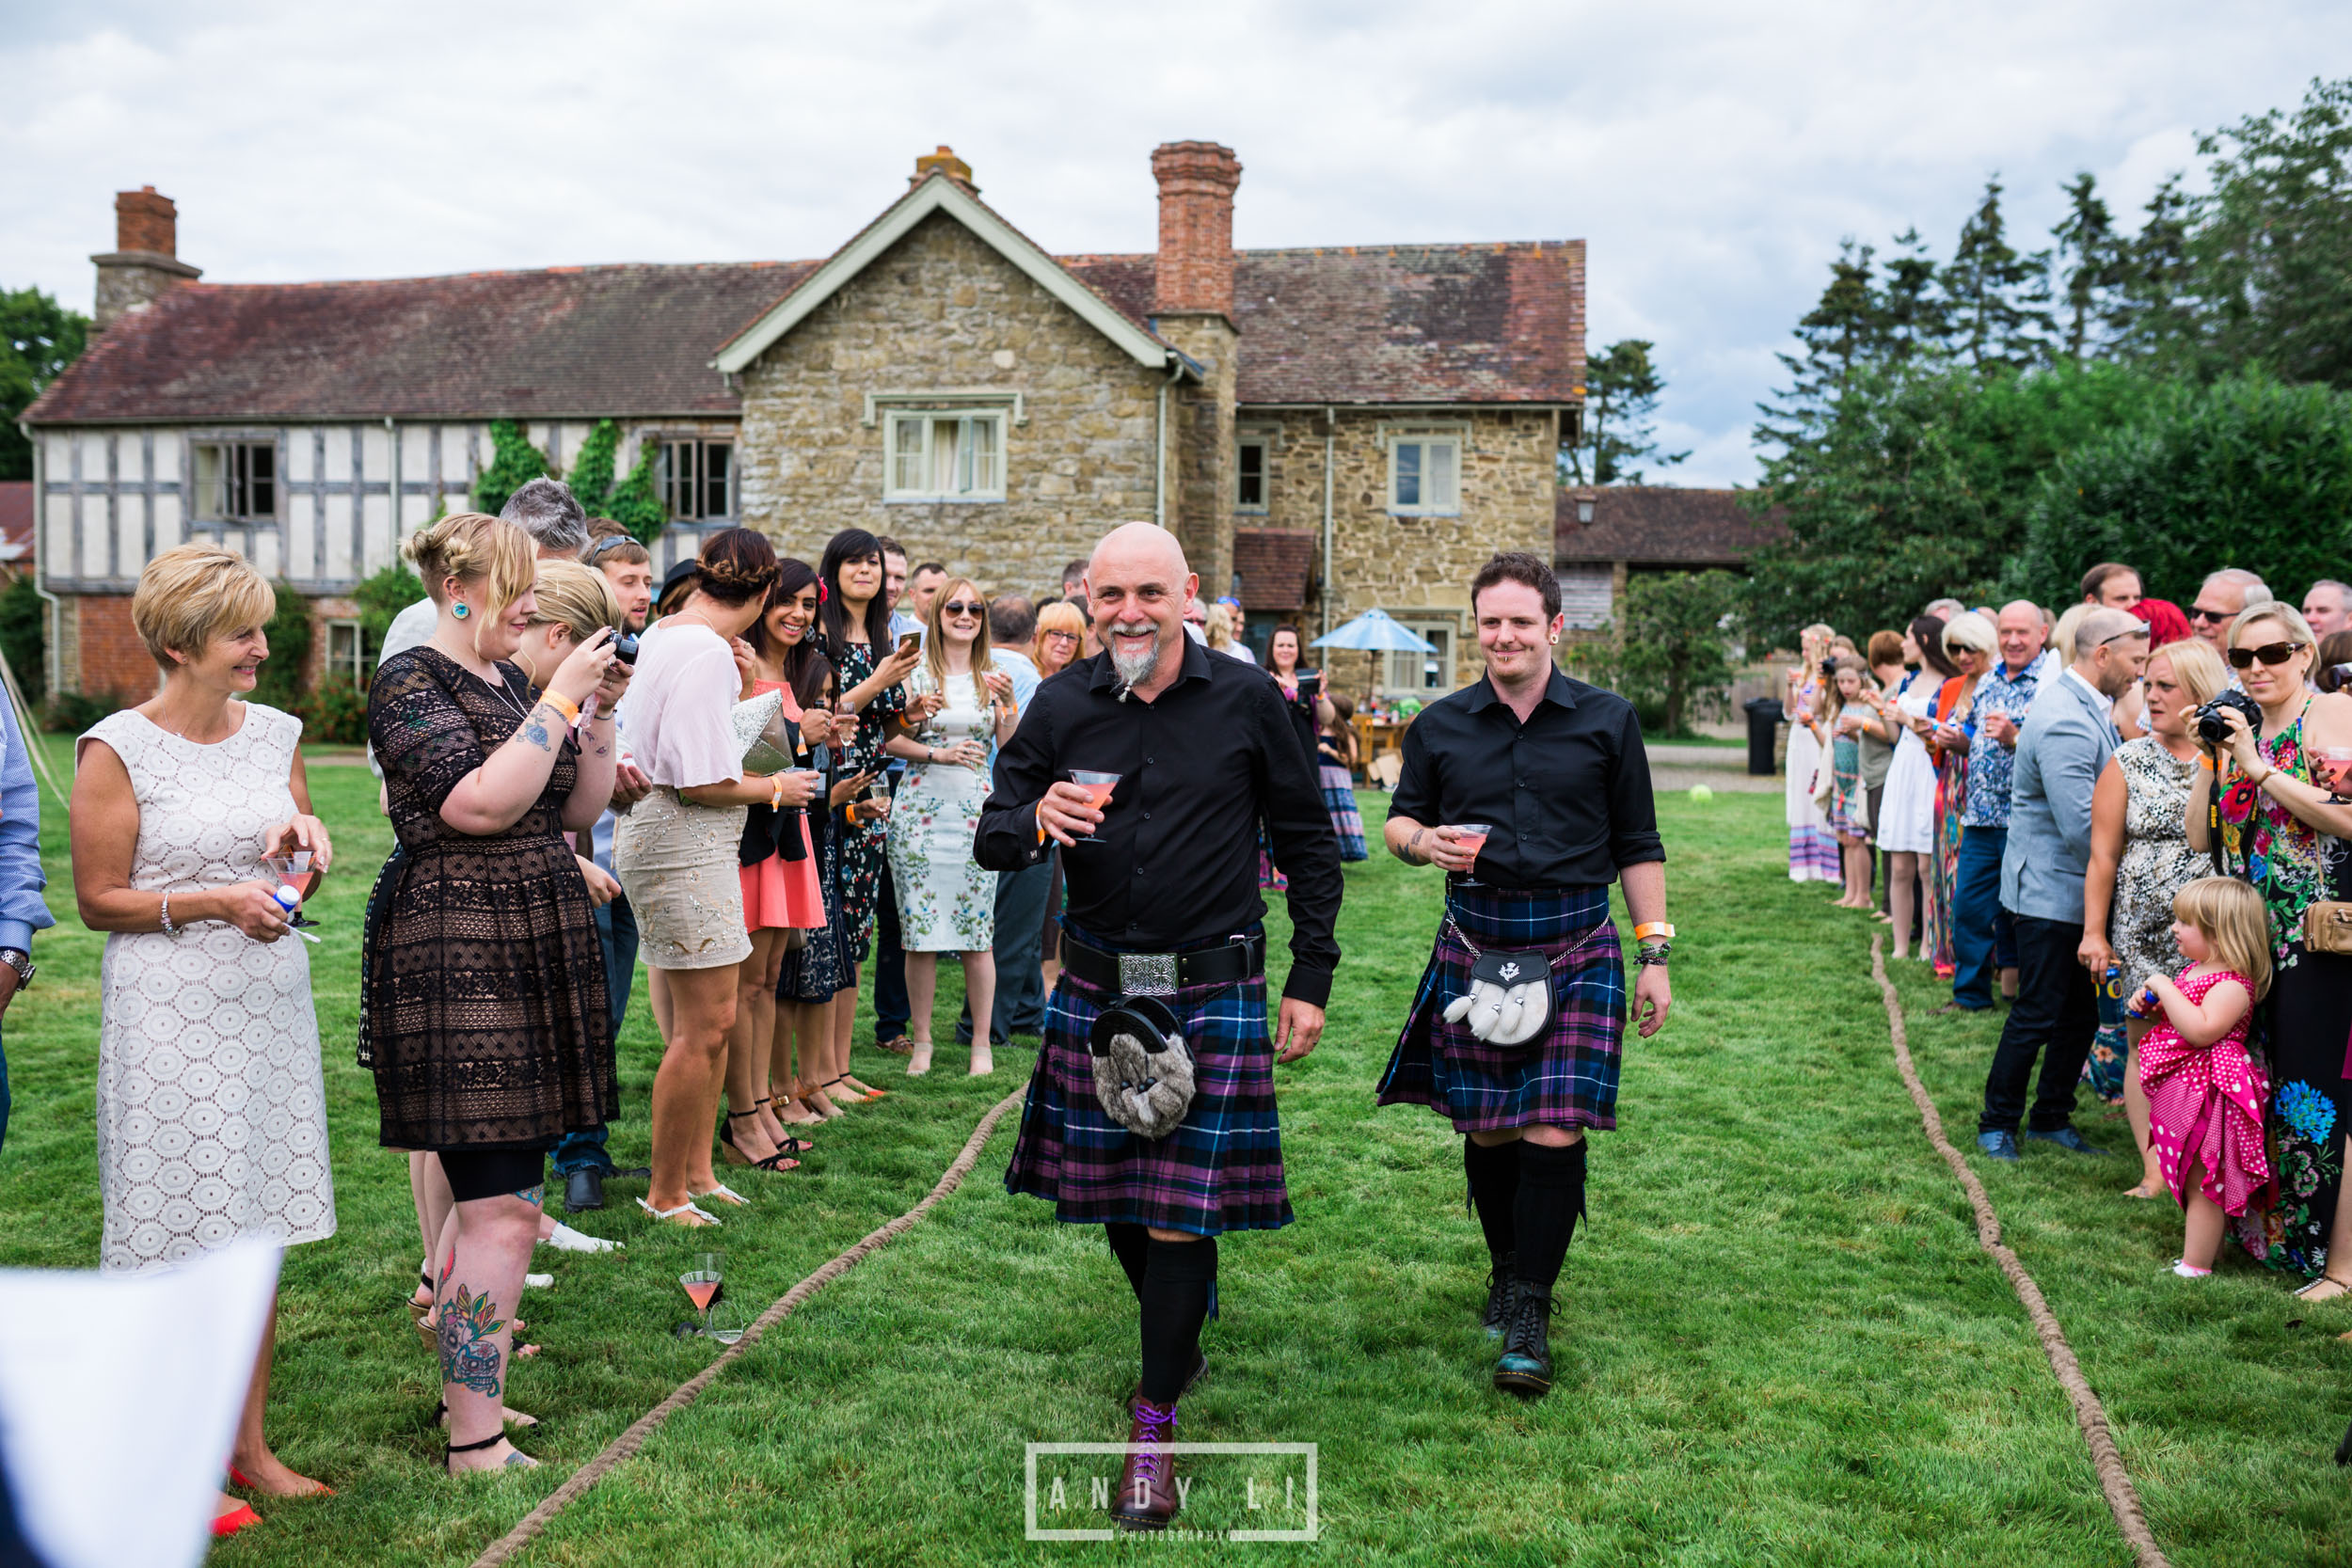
[1376, 733]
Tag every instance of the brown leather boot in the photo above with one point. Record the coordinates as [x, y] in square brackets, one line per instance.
[1146, 1484]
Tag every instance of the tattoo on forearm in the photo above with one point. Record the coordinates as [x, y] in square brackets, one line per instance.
[535, 728]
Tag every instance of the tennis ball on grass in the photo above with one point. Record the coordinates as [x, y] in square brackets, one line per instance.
[1701, 794]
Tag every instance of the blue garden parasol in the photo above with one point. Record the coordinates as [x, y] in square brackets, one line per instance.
[1373, 632]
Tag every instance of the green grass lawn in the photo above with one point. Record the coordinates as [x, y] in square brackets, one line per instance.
[1780, 1343]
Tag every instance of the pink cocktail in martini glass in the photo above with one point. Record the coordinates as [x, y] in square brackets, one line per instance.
[1098, 787]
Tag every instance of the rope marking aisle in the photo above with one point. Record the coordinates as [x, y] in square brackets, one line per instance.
[628, 1441]
[2122, 1500]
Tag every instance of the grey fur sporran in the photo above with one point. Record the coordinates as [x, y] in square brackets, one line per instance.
[1142, 1068]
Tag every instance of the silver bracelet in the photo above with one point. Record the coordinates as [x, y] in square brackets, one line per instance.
[169, 929]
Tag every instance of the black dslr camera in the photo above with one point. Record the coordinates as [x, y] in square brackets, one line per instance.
[2213, 729]
[625, 649]
[2333, 677]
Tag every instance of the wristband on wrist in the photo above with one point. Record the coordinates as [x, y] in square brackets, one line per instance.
[775, 792]
[562, 705]
[1649, 928]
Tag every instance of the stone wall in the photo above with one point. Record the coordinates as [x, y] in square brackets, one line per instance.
[942, 310]
[1411, 566]
[1201, 498]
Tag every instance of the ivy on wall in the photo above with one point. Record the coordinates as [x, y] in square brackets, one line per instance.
[513, 463]
[633, 502]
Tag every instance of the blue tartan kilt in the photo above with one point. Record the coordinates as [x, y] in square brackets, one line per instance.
[1221, 1168]
[1566, 1077]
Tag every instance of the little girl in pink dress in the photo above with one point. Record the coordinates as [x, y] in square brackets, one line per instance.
[2205, 1094]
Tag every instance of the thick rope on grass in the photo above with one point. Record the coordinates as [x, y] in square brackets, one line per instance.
[513, 1541]
[2122, 1500]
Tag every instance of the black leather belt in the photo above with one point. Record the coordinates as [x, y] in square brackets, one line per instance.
[1164, 974]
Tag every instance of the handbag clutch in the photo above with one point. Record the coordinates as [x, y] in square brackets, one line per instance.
[760, 733]
[2327, 927]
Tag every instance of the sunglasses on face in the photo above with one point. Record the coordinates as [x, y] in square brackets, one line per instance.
[959, 606]
[2273, 653]
[2198, 612]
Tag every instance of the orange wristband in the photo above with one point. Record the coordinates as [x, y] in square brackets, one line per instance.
[1649, 928]
[562, 705]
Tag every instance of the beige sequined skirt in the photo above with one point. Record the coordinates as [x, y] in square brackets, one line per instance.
[676, 863]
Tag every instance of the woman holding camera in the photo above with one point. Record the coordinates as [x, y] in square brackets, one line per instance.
[2141, 854]
[676, 852]
[2282, 829]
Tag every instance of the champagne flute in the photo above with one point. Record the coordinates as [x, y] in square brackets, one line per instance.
[704, 1276]
[1098, 787]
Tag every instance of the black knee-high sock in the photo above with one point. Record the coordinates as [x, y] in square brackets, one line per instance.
[1494, 1190]
[1176, 1288]
[1131, 1245]
[1551, 1197]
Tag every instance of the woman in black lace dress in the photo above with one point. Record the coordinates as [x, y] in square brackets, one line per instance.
[486, 1006]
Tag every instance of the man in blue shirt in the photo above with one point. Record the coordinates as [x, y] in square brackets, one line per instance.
[1983, 937]
[22, 911]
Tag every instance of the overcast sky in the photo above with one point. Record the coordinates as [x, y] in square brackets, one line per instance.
[1712, 154]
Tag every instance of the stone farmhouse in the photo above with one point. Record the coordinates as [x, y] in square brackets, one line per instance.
[1328, 429]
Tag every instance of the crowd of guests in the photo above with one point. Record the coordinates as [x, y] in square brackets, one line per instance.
[2133, 824]
[758, 778]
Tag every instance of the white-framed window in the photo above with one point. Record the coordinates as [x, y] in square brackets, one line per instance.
[696, 479]
[1252, 473]
[236, 481]
[1425, 475]
[1422, 675]
[347, 653]
[944, 456]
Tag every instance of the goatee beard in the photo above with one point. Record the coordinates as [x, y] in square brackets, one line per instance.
[1135, 669]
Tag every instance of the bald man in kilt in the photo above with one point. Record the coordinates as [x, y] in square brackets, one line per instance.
[1515, 1034]
[1163, 911]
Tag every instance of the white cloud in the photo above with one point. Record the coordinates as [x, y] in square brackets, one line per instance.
[1712, 154]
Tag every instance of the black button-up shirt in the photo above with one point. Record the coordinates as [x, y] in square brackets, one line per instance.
[1175, 860]
[1568, 791]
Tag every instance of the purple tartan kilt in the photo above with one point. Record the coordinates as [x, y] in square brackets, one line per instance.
[1221, 1169]
[1565, 1078]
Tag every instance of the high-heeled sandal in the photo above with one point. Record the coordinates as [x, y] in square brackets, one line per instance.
[515, 1461]
[780, 1161]
[2344, 1289]
[686, 1214]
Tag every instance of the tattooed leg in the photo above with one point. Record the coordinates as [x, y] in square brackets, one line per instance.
[481, 1279]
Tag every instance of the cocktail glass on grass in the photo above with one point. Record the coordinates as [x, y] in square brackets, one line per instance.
[704, 1273]
[2333, 768]
[1098, 787]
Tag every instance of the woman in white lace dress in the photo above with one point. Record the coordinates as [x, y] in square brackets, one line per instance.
[212, 1110]
[946, 901]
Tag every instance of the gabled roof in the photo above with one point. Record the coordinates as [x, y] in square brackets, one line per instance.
[1661, 525]
[937, 193]
[628, 340]
[1407, 323]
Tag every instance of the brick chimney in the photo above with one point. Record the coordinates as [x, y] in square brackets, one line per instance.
[944, 162]
[1196, 264]
[145, 262]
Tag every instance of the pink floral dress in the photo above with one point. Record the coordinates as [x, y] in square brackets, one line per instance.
[2205, 1104]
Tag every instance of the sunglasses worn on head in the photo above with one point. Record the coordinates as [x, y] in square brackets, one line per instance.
[2272, 654]
[959, 606]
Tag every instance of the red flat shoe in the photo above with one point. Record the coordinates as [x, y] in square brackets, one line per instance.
[234, 1520]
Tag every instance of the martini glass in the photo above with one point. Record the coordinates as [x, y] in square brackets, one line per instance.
[704, 1273]
[1098, 787]
[1472, 836]
[294, 876]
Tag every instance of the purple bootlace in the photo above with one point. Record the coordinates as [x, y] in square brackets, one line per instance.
[1153, 1424]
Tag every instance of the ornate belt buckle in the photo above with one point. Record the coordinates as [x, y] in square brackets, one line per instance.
[1147, 973]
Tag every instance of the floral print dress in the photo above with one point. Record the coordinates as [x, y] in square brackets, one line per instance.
[2306, 1016]
[947, 900]
[861, 847]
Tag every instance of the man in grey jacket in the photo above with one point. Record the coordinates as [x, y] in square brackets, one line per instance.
[2066, 740]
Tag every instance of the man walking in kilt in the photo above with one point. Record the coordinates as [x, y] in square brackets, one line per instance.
[1163, 911]
[1531, 792]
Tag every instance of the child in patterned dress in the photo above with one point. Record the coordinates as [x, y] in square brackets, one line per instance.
[2205, 1094]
